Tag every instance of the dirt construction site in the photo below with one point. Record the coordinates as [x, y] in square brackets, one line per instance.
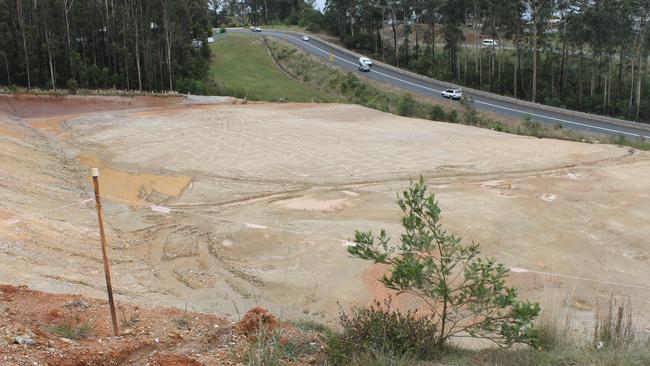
[214, 205]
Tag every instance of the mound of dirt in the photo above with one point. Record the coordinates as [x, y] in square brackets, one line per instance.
[257, 319]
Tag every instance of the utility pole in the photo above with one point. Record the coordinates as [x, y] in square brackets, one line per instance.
[107, 266]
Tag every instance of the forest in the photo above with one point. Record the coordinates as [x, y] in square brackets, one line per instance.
[143, 45]
[588, 55]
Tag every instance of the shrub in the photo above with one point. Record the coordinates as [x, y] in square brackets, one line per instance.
[466, 294]
[71, 330]
[406, 106]
[613, 325]
[386, 330]
[452, 116]
[72, 86]
[436, 113]
[470, 115]
[191, 86]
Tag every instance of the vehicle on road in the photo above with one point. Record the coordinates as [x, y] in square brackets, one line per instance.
[489, 42]
[366, 61]
[256, 29]
[364, 67]
[305, 38]
[453, 94]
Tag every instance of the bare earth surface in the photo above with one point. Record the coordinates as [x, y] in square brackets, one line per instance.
[31, 323]
[263, 197]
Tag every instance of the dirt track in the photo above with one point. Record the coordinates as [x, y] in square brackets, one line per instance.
[316, 172]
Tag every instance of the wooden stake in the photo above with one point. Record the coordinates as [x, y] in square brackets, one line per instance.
[107, 266]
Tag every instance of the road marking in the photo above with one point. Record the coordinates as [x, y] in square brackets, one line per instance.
[476, 101]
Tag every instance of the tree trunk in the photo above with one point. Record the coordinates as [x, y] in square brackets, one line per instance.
[168, 42]
[417, 40]
[433, 40]
[535, 20]
[406, 38]
[563, 59]
[383, 20]
[620, 74]
[515, 86]
[67, 5]
[395, 41]
[638, 86]
[631, 102]
[49, 57]
[137, 49]
[605, 89]
[592, 87]
[22, 31]
[6, 68]
[609, 85]
[580, 79]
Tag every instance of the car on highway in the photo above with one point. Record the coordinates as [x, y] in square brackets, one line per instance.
[305, 38]
[364, 67]
[256, 29]
[366, 61]
[453, 94]
[489, 42]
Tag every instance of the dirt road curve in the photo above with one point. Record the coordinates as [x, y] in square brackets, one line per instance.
[289, 179]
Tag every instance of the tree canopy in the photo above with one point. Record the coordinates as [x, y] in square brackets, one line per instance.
[127, 44]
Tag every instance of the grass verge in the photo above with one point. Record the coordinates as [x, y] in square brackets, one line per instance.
[243, 68]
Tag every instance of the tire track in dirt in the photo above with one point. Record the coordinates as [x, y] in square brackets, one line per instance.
[627, 158]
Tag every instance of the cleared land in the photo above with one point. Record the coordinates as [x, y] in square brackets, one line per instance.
[243, 67]
[262, 195]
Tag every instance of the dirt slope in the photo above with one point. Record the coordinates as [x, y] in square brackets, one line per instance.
[263, 197]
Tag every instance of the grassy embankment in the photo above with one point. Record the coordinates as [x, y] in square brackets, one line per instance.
[242, 67]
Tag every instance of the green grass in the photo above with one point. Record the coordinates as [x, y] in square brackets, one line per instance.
[285, 27]
[72, 331]
[579, 356]
[243, 67]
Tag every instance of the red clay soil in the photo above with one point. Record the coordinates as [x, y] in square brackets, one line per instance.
[31, 324]
[37, 106]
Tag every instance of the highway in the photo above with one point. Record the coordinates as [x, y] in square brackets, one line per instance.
[429, 87]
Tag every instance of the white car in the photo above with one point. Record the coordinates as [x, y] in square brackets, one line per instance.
[454, 94]
[305, 38]
[489, 43]
[365, 61]
[256, 29]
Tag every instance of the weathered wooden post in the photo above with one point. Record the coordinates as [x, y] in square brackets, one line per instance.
[102, 235]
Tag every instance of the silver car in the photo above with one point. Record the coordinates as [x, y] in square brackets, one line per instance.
[454, 94]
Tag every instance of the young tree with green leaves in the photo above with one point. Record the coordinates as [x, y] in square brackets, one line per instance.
[466, 294]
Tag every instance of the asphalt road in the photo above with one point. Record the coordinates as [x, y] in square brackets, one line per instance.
[432, 88]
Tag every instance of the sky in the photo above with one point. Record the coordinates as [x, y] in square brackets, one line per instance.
[320, 4]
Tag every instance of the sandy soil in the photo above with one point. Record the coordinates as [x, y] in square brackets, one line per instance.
[264, 196]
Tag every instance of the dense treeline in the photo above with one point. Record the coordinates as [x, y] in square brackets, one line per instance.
[582, 54]
[263, 12]
[588, 55]
[127, 44]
